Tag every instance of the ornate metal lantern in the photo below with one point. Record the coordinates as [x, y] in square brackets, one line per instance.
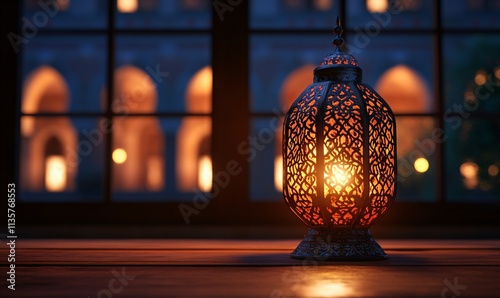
[339, 161]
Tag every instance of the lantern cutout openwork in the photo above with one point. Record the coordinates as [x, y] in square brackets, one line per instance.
[339, 161]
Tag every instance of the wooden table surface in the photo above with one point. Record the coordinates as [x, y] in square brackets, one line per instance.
[248, 268]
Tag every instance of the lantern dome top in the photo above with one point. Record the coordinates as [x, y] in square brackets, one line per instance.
[339, 57]
[339, 65]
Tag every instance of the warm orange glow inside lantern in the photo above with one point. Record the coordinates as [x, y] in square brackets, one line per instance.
[339, 161]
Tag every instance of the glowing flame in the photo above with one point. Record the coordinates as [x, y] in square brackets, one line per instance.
[337, 177]
[205, 173]
[469, 171]
[377, 6]
[127, 6]
[421, 165]
[55, 173]
[119, 156]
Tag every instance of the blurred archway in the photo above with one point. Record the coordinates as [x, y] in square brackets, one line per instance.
[138, 144]
[48, 144]
[194, 161]
[406, 92]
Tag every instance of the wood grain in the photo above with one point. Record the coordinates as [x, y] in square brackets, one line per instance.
[249, 268]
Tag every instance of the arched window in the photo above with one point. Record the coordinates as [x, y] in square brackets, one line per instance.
[47, 142]
[406, 92]
[194, 162]
[138, 146]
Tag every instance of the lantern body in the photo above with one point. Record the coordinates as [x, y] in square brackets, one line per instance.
[339, 162]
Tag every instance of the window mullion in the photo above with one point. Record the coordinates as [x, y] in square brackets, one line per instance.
[108, 146]
[439, 101]
[230, 106]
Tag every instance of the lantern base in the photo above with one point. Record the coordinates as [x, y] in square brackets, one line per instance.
[339, 245]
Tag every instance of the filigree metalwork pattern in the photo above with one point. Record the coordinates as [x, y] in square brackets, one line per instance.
[382, 155]
[299, 149]
[339, 58]
[356, 190]
[343, 155]
[339, 153]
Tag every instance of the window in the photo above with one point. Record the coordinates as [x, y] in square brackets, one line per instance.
[139, 107]
[406, 50]
[149, 136]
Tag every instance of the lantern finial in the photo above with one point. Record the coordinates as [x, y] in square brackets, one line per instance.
[337, 42]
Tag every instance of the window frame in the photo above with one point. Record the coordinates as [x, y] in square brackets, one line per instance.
[230, 64]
